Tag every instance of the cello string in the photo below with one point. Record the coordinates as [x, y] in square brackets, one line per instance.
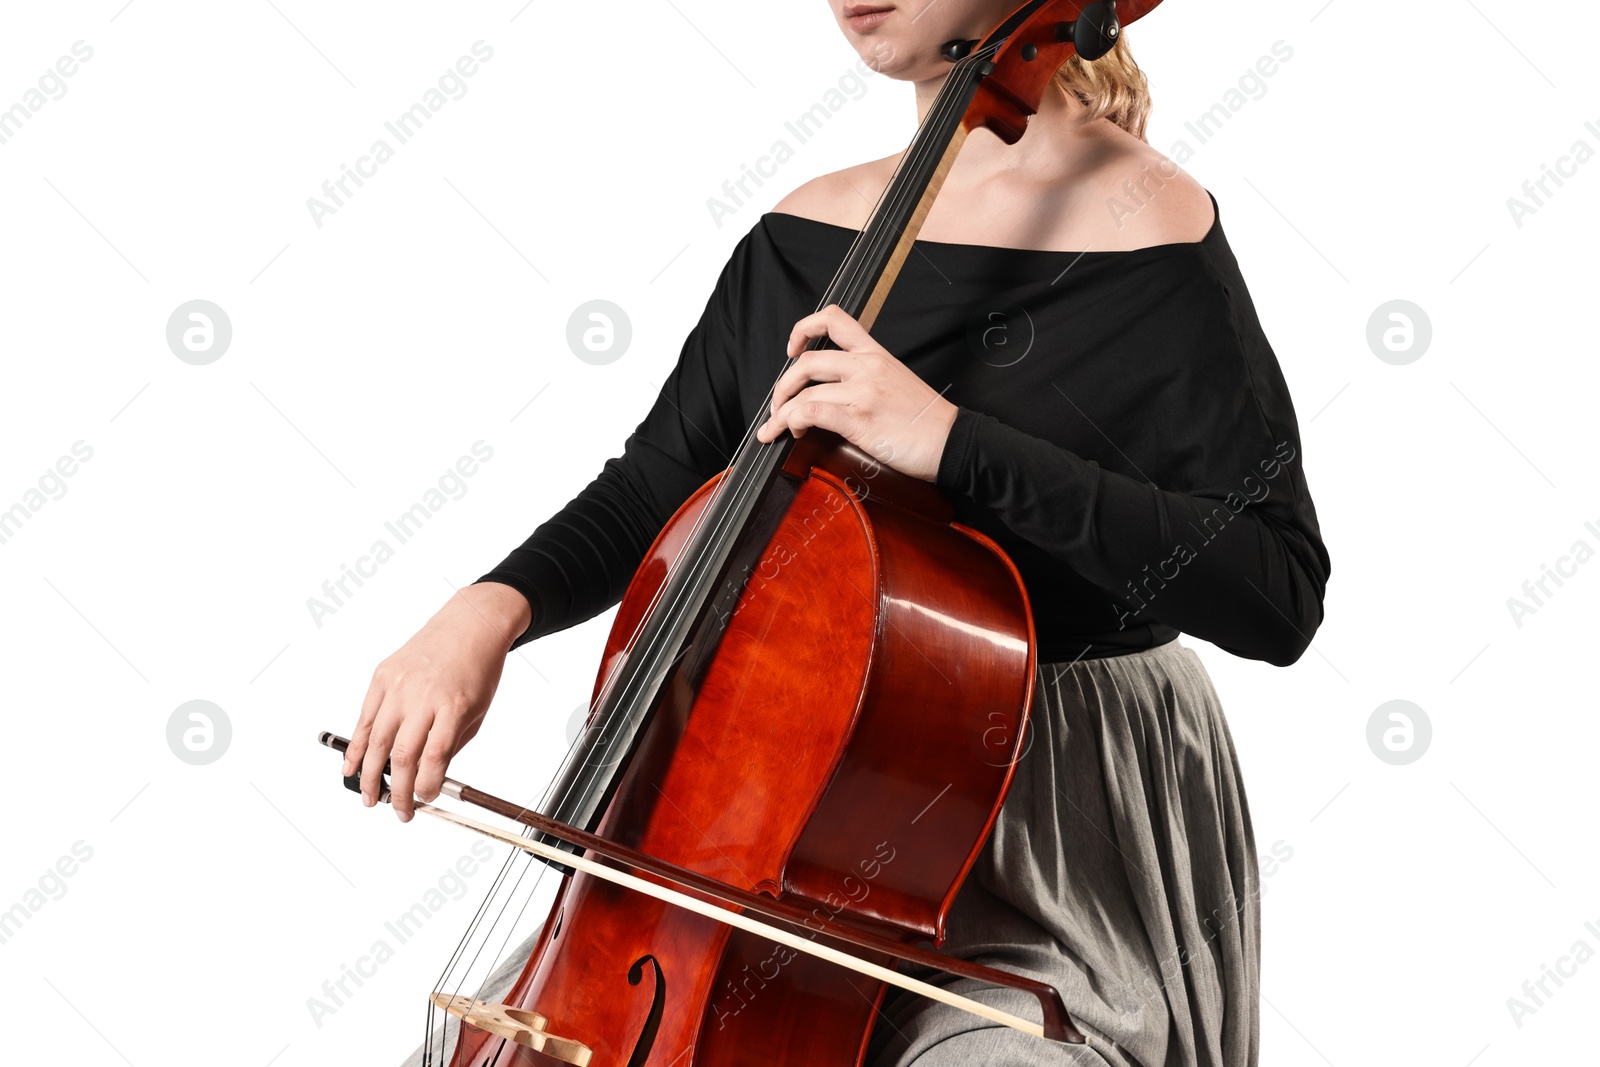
[895, 195]
[858, 260]
[444, 977]
[443, 980]
[738, 488]
[730, 487]
[895, 199]
[466, 970]
[510, 895]
[510, 929]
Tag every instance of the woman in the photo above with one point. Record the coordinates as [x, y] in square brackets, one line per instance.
[1072, 355]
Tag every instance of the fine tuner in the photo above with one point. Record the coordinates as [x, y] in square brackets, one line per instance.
[1093, 33]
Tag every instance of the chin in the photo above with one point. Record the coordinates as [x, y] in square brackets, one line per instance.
[905, 45]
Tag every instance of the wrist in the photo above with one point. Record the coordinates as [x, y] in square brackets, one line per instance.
[944, 417]
[953, 473]
[502, 607]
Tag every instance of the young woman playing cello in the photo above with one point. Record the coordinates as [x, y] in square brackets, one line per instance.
[1072, 355]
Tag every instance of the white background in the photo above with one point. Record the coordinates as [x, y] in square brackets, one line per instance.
[430, 313]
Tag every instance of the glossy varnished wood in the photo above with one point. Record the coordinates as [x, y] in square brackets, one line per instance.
[873, 646]
[1025, 63]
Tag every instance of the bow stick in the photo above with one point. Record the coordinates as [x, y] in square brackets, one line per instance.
[728, 904]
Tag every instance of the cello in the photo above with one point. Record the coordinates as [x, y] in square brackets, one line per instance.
[805, 721]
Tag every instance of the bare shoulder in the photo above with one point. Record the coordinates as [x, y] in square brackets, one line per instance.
[1143, 199]
[844, 198]
[1111, 192]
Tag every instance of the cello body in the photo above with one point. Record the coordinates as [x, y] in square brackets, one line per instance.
[844, 746]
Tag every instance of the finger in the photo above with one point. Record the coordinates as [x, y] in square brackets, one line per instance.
[406, 755]
[436, 756]
[358, 737]
[825, 406]
[822, 365]
[377, 753]
[833, 323]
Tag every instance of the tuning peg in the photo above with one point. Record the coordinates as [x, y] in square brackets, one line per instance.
[957, 49]
[1095, 31]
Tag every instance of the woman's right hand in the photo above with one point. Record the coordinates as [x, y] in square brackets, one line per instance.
[427, 700]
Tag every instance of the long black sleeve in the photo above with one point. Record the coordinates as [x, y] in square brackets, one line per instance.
[579, 562]
[1124, 433]
[1218, 566]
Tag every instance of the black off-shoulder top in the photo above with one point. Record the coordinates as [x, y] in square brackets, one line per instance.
[1124, 433]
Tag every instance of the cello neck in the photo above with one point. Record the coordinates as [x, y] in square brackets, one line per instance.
[875, 258]
[685, 622]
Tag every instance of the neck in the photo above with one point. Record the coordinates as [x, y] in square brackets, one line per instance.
[1060, 117]
[927, 91]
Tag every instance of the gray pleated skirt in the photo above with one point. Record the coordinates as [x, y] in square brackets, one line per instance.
[1122, 870]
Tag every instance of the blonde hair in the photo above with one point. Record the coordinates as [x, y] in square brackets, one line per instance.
[1111, 87]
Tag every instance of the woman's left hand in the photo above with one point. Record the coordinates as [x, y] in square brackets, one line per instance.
[862, 393]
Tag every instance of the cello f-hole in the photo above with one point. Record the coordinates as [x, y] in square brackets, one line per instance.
[647, 1035]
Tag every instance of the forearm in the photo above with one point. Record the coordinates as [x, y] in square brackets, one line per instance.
[1224, 566]
[580, 561]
